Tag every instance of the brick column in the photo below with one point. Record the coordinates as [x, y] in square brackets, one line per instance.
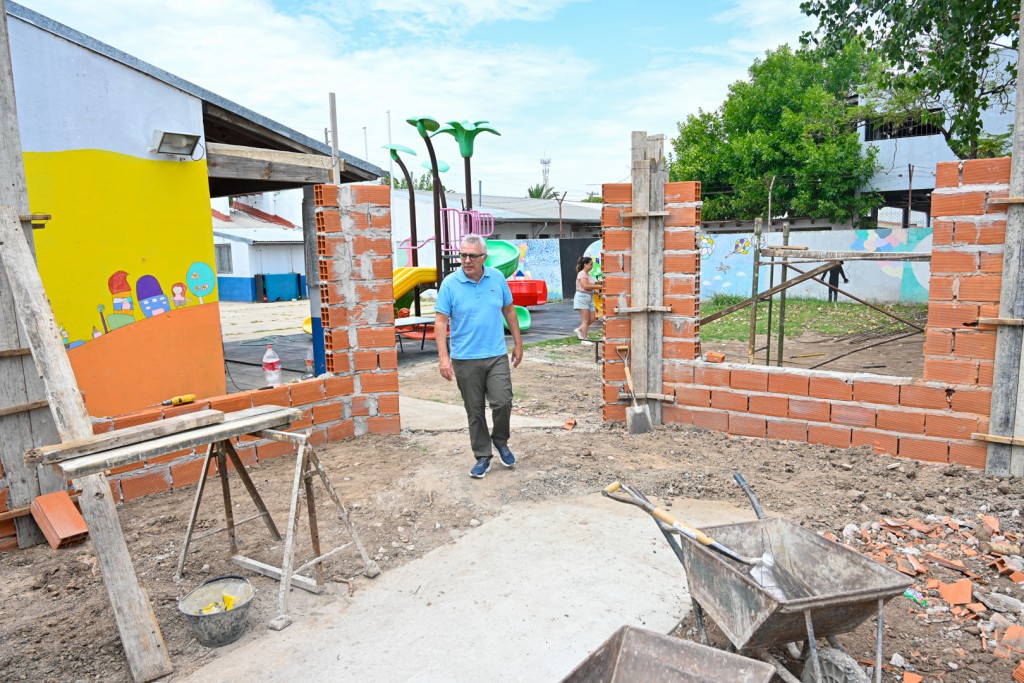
[357, 298]
[616, 264]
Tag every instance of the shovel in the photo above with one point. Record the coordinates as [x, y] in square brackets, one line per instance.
[777, 583]
[638, 418]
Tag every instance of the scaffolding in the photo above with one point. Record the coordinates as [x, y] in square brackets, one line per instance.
[784, 257]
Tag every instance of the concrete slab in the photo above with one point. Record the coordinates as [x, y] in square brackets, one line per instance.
[430, 416]
[525, 597]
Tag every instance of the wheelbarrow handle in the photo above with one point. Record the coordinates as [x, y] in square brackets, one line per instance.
[667, 518]
[750, 494]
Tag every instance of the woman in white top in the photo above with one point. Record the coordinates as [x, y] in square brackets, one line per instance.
[583, 301]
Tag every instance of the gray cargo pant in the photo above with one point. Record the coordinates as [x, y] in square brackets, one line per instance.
[482, 381]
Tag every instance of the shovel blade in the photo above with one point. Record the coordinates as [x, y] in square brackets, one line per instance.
[638, 420]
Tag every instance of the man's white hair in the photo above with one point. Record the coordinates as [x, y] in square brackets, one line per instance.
[477, 240]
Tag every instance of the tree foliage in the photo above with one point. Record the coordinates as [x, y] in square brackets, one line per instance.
[791, 120]
[541, 191]
[941, 61]
[424, 182]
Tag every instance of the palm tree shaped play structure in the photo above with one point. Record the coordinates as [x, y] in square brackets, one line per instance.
[395, 149]
[465, 134]
[425, 126]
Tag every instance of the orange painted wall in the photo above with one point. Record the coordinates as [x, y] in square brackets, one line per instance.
[151, 360]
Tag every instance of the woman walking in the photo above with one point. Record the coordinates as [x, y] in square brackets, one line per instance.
[583, 301]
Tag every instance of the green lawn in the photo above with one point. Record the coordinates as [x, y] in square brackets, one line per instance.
[806, 315]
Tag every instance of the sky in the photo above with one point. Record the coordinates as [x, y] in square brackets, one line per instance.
[567, 80]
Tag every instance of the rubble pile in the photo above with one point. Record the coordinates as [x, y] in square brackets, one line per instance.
[968, 591]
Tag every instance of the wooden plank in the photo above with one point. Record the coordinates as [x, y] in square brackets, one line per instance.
[646, 214]
[140, 633]
[241, 422]
[643, 309]
[13, 353]
[23, 408]
[276, 156]
[1006, 415]
[50, 455]
[640, 276]
[1006, 200]
[241, 168]
[1000, 321]
[302, 582]
[656, 266]
[36, 316]
[19, 381]
[992, 438]
[809, 255]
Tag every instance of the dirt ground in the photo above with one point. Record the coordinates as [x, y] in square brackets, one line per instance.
[899, 355]
[411, 493]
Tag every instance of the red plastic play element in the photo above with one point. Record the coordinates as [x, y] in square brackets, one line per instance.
[528, 292]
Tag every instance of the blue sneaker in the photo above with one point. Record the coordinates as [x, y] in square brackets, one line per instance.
[507, 459]
[482, 467]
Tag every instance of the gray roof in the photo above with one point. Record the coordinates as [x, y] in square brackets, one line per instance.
[518, 209]
[245, 228]
[89, 43]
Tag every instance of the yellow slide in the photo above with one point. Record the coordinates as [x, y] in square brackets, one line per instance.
[406, 278]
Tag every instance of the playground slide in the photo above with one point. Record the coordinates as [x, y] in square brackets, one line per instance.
[502, 255]
[406, 278]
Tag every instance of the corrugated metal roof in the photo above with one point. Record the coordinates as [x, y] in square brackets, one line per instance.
[523, 209]
[245, 228]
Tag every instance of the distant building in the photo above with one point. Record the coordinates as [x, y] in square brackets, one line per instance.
[258, 259]
[515, 218]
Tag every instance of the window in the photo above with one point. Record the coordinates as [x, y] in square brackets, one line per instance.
[222, 255]
[522, 237]
[908, 128]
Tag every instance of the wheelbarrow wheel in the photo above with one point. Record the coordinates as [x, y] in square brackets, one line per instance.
[836, 667]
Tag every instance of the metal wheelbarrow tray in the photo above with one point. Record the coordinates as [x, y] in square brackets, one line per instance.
[634, 654]
[844, 588]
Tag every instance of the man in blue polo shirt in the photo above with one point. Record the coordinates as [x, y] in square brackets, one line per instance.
[475, 298]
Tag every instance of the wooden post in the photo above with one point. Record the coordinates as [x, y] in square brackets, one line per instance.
[20, 384]
[782, 294]
[140, 633]
[753, 290]
[1007, 409]
[648, 265]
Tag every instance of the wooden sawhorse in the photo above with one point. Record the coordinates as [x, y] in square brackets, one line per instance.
[307, 467]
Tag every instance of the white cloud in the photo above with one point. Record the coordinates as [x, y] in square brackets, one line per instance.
[380, 55]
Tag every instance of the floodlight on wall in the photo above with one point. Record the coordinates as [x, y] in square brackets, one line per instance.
[180, 144]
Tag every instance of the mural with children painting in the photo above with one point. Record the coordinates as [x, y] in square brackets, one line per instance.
[727, 261]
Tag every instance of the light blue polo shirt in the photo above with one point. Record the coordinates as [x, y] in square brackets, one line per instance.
[474, 313]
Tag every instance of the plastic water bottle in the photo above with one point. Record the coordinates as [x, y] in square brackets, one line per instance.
[271, 367]
[309, 365]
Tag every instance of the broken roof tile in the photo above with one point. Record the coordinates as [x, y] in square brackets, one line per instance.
[957, 593]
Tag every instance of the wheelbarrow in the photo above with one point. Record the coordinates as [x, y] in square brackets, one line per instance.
[842, 589]
[635, 654]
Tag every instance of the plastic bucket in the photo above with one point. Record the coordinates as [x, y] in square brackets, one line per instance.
[219, 626]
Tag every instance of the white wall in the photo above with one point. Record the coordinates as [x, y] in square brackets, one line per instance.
[72, 98]
[276, 258]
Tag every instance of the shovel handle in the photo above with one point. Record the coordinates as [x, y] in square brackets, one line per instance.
[682, 527]
[750, 494]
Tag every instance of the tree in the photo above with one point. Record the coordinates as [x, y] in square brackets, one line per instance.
[943, 62]
[593, 198]
[541, 191]
[424, 182]
[792, 121]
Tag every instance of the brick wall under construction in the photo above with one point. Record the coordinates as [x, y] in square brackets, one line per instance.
[930, 419]
[354, 245]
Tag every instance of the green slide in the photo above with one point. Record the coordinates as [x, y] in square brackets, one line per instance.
[502, 255]
[523, 315]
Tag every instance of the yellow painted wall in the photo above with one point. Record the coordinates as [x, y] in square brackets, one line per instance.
[118, 213]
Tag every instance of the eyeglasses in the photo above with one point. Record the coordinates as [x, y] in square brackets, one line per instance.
[471, 257]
